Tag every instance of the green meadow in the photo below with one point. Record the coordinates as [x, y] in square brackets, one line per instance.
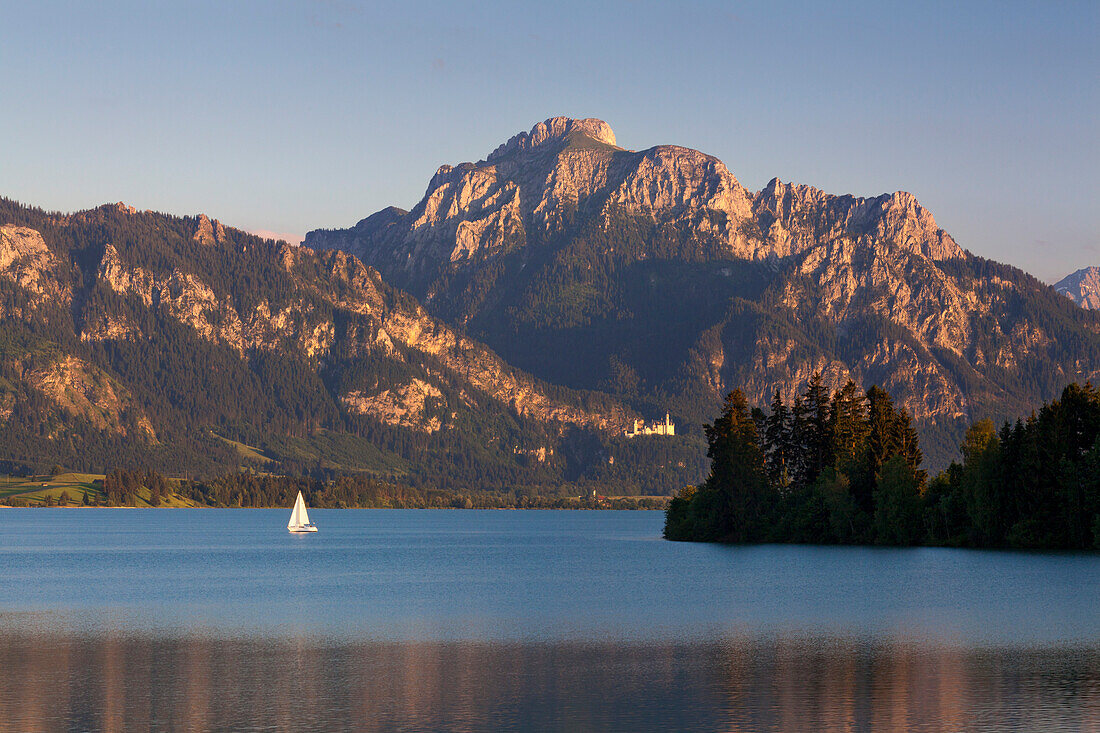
[70, 489]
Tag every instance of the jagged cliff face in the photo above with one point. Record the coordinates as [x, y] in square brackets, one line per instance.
[27, 262]
[531, 187]
[668, 283]
[1082, 287]
[795, 218]
[186, 298]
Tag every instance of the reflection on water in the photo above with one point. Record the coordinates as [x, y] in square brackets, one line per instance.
[116, 683]
[212, 619]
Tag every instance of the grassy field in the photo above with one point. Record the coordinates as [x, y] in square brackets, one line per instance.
[246, 452]
[336, 451]
[34, 491]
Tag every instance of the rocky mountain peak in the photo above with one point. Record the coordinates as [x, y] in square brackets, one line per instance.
[209, 231]
[554, 130]
[1082, 287]
[901, 218]
[567, 172]
[386, 217]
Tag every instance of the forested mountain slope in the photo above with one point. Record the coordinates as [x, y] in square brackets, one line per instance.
[657, 277]
[134, 338]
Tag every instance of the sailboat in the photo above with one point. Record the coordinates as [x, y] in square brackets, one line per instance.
[299, 519]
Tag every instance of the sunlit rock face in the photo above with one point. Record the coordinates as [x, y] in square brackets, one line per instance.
[537, 182]
[795, 218]
[82, 390]
[27, 262]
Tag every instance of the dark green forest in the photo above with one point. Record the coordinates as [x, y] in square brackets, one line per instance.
[846, 469]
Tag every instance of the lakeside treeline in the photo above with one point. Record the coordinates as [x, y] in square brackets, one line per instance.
[252, 490]
[144, 488]
[846, 469]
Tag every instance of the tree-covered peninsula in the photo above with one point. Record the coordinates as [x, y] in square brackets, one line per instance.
[846, 469]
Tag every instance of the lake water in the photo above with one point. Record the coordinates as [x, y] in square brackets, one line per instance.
[199, 619]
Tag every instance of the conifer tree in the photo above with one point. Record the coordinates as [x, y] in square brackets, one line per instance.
[981, 450]
[737, 487]
[798, 443]
[898, 519]
[818, 440]
[848, 427]
[907, 445]
[880, 442]
[777, 439]
[1036, 484]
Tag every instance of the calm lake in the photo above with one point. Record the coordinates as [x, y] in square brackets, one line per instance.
[199, 619]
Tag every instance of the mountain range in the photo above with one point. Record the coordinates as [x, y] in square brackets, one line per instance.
[139, 339]
[502, 333]
[656, 277]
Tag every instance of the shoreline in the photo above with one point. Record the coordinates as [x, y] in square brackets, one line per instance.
[397, 508]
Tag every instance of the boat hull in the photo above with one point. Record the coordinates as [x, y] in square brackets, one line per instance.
[301, 530]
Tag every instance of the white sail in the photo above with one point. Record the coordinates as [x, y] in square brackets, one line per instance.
[300, 507]
[299, 518]
[296, 513]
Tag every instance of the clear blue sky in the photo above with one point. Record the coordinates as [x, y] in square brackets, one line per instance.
[288, 116]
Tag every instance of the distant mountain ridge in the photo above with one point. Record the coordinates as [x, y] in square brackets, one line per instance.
[657, 277]
[138, 339]
[1082, 287]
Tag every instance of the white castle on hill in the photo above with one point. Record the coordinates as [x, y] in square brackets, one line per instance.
[656, 427]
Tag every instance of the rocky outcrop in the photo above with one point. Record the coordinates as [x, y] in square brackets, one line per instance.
[794, 218]
[108, 327]
[26, 261]
[209, 232]
[1082, 287]
[554, 131]
[919, 382]
[7, 406]
[394, 326]
[82, 390]
[854, 277]
[408, 405]
[194, 303]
